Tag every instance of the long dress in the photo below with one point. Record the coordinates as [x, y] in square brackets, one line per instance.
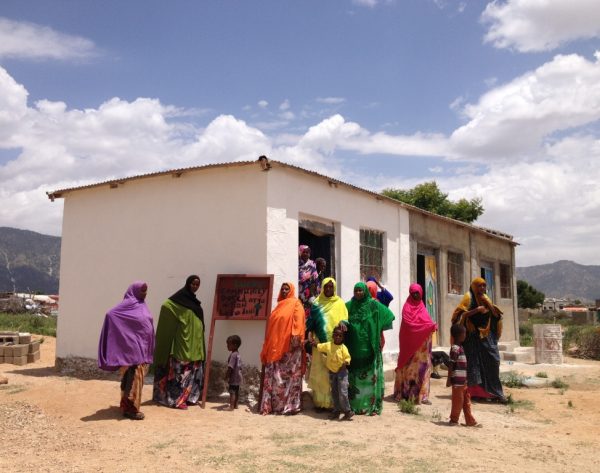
[126, 344]
[308, 278]
[367, 318]
[414, 368]
[481, 344]
[282, 356]
[179, 356]
[326, 313]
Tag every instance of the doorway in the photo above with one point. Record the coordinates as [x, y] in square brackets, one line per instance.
[320, 237]
[427, 277]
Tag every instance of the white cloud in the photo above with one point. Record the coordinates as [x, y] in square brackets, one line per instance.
[31, 41]
[540, 25]
[331, 100]
[544, 191]
[263, 104]
[285, 105]
[365, 3]
[512, 120]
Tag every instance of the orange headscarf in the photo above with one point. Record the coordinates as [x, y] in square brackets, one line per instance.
[286, 321]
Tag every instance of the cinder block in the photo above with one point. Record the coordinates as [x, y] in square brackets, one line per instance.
[1, 350]
[32, 357]
[17, 350]
[1, 360]
[19, 360]
[8, 359]
[24, 338]
[9, 338]
[34, 346]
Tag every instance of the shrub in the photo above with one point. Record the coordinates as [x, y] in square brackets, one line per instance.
[559, 384]
[512, 379]
[28, 323]
[541, 374]
[408, 407]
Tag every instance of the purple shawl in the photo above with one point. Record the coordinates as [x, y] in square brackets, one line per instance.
[127, 336]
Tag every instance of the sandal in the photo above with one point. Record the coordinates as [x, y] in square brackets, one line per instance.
[134, 415]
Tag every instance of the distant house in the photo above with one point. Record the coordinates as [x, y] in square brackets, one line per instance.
[554, 304]
[249, 217]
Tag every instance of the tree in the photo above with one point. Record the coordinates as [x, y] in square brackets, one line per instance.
[528, 297]
[428, 196]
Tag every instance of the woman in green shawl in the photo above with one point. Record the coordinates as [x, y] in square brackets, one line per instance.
[367, 318]
[179, 352]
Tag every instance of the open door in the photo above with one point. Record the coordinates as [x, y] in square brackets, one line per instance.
[427, 277]
[487, 273]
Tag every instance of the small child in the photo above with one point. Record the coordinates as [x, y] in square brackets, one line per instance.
[457, 378]
[233, 376]
[337, 362]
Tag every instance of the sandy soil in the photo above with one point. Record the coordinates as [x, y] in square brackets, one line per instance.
[59, 423]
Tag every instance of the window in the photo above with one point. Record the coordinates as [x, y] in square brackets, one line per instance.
[505, 281]
[455, 273]
[371, 254]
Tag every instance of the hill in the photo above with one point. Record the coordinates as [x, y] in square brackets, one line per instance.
[564, 279]
[29, 261]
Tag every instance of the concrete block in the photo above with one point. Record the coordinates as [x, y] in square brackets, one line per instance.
[24, 338]
[519, 356]
[9, 338]
[34, 346]
[1, 350]
[32, 357]
[508, 346]
[17, 350]
[8, 359]
[19, 360]
[1, 359]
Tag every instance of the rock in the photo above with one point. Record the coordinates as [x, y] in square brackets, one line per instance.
[3, 380]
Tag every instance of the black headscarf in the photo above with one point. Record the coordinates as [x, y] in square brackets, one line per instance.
[186, 298]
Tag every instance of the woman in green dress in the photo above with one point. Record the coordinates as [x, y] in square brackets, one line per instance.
[180, 351]
[367, 318]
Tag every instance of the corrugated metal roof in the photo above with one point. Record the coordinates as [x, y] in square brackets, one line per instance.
[57, 194]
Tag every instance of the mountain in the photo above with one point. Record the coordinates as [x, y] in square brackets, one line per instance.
[29, 261]
[564, 279]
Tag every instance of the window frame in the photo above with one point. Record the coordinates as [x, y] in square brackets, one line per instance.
[505, 286]
[460, 276]
[367, 251]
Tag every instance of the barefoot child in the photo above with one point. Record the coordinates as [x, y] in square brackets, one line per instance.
[457, 378]
[233, 376]
[337, 362]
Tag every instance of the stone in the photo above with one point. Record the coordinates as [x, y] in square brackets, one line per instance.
[19, 360]
[32, 357]
[16, 350]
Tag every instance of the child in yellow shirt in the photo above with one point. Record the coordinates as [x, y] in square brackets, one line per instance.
[337, 362]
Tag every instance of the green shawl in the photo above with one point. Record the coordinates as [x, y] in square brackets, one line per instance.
[180, 334]
[367, 318]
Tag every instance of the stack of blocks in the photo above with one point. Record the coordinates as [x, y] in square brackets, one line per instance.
[18, 348]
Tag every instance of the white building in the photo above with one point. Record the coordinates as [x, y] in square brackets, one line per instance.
[249, 217]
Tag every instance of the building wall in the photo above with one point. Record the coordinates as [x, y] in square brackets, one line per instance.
[296, 195]
[441, 236]
[159, 229]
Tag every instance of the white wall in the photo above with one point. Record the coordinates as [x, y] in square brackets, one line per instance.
[159, 229]
[292, 195]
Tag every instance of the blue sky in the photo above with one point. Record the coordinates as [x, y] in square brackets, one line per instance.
[499, 100]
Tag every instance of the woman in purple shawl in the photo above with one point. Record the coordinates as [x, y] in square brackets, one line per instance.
[127, 344]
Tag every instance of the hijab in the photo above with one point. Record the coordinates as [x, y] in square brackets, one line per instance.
[416, 325]
[286, 321]
[186, 298]
[127, 336]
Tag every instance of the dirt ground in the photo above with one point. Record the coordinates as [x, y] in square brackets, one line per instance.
[52, 423]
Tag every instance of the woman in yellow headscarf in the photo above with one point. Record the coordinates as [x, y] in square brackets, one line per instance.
[326, 313]
[483, 321]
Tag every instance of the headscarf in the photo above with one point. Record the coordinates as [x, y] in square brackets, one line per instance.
[307, 276]
[326, 312]
[416, 326]
[301, 249]
[127, 336]
[366, 316]
[187, 298]
[372, 288]
[286, 321]
[470, 301]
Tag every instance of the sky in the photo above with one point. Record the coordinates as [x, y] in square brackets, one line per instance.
[498, 100]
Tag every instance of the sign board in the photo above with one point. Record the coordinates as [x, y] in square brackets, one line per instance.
[238, 297]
